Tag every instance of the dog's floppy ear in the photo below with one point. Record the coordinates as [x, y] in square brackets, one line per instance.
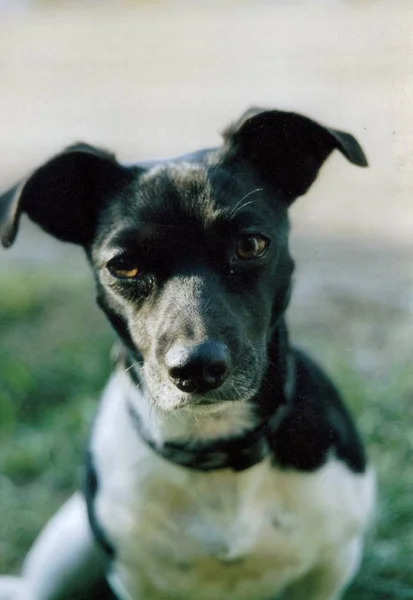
[63, 195]
[286, 149]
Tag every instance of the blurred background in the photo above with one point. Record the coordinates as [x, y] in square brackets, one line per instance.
[159, 78]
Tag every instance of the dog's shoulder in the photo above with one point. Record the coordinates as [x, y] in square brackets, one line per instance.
[317, 425]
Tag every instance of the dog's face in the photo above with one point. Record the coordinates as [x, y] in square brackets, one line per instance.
[193, 262]
[190, 257]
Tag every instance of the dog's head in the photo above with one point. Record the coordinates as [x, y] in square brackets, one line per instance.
[190, 256]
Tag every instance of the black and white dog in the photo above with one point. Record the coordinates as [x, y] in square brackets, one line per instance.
[222, 463]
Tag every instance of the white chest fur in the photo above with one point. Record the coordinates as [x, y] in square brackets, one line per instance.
[190, 535]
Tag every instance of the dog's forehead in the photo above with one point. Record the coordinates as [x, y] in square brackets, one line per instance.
[184, 192]
[186, 200]
[165, 201]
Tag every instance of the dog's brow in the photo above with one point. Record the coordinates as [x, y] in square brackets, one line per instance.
[130, 235]
[123, 237]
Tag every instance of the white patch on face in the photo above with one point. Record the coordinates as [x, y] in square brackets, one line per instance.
[222, 534]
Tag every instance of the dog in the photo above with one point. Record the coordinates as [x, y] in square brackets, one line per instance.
[222, 462]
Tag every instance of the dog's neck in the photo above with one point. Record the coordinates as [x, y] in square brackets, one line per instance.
[210, 437]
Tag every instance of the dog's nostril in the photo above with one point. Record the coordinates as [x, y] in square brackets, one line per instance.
[215, 372]
[198, 368]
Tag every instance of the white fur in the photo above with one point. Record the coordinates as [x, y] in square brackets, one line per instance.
[13, 588]
[200, 423]
[205, 536]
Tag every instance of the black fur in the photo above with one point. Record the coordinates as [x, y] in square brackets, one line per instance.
[316, 424]
[91, 488]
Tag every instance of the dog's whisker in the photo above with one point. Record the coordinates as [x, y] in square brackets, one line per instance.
[235, 209]
[239, 206]
[244, 205]
[179, 418]
[135, 364]
[198, 423]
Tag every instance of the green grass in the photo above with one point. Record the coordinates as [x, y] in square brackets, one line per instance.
[54, 359]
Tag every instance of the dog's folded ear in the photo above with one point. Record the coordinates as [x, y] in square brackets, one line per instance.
[64, 194]
[286, 149]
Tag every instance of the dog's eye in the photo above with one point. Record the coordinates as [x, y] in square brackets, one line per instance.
[249, 247]
[123, 269]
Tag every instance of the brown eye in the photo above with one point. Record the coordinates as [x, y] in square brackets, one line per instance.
[123, 270]
[250, 246]
[126, 273]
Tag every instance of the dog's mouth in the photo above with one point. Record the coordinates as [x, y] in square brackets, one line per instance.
[203, 404]
[168, 397]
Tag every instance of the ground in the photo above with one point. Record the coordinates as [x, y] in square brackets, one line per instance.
[162, 78]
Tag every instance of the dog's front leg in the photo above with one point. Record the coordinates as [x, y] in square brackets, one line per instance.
[63, 563]
[329, 579]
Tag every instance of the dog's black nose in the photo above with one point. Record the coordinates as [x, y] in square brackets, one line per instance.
[198, 368]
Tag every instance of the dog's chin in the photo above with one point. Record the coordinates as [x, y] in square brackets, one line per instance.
[197, 405]
[208, 408]
[203, 404]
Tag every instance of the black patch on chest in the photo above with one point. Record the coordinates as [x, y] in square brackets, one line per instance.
[317, 424]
